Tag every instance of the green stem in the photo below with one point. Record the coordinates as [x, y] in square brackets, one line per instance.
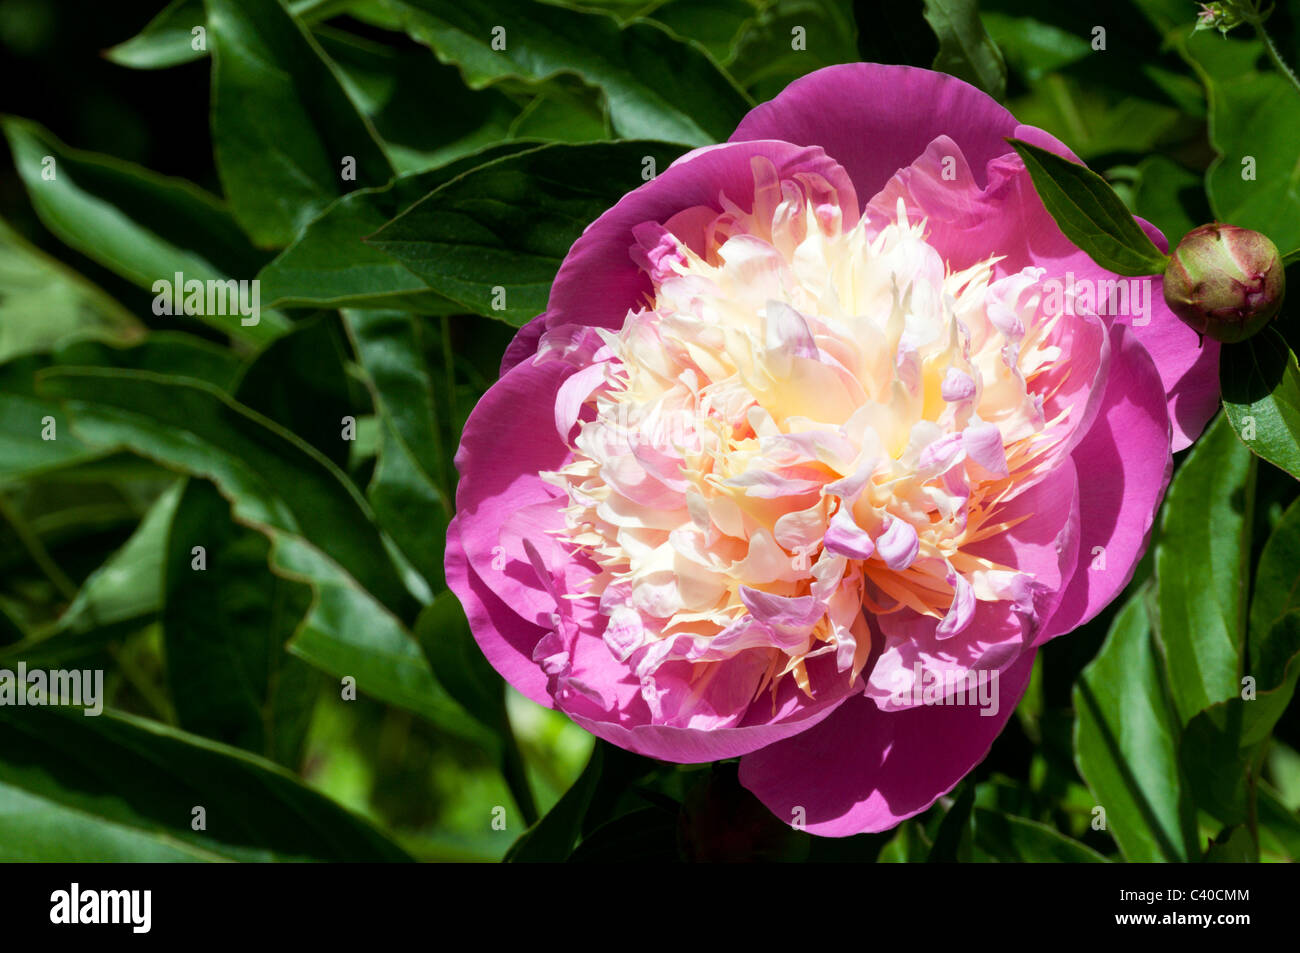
[36, 549]
[1256, 18]
[139, 680]
[1276, 56]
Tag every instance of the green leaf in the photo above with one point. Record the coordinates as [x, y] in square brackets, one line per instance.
[1279, 826]
[1275, 670]
[657, 87]
[1203, 567]
[1234, 845]
[126, 591]
[765, 59]
[348, 634]
[717, 25]
[565, 109]
[1222, 746]
[117, 788]
[225, 626]
[965, 49]
[284, 129]
[301, 382]
[908, 846]
[407, 488]
[1169, 196]
[70, 306]
[1126, 744]
[162, 352]
[509, 224]
[644, 836]
[393, 89]
[1064, 86]
[1090, 214]
[278, 483]
[1009, 839]
[1099, 121]
[142, 226]
[1254, 115]
[329, 264]
[952, 841]
[459, 664]
[1260, 380]
[169, 39]
[166, 40]
[24, 451]
[1277, 579]
[553, 837]
[120, 597]
[1032, 47]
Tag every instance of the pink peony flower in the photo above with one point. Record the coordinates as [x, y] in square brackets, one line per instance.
[824, 431]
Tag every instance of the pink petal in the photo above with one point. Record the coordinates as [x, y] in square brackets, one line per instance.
[983, 444]
[865, 770]
[845, 538]
[898, 544]
[962, 610]
[968, 222]
[508, 440]
[505, 638]
[762, 725]
[957, 385]
[1128, 464]
[875, 119]
[1043, 550]
[524, 344]
[1188, 367]
[599, 281]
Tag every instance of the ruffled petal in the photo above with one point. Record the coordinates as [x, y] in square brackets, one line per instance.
[600, 279]
[1188, 366]
[1127, 462]
[765, 722]
[509, 439]
[506, 639]
[523, 345]
[875, 119]
[864, 770]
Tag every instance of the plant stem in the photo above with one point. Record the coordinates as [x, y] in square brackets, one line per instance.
[138, 679]
[1276, 56]
[1256, 17]
[36, 549]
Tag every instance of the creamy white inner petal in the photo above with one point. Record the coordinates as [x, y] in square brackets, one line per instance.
[803, 422]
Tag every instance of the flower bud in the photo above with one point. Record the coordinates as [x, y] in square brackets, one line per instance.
[1224, 281]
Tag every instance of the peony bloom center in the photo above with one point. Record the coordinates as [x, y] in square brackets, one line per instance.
[812, 415]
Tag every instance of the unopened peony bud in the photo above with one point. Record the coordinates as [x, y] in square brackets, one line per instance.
[1225, 282]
